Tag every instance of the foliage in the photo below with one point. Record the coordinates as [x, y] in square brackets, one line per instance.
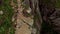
[7, 15]
[57, 4]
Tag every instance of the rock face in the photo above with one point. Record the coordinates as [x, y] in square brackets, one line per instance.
[50, 15]
[55, 18]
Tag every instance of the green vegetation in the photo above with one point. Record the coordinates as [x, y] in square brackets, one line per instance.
[57, 4]
[6, 26]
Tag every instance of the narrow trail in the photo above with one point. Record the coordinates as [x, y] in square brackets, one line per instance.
[21, 27]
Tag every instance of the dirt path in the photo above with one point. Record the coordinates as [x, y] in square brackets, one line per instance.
[21, 27]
